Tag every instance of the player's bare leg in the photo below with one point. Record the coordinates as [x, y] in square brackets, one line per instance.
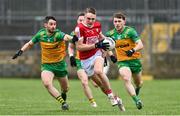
[99, 83]
[98, 70]
[84, 81]
[94, 84]
[126, 74]
[63, 81]
[138, 82]
[47, 79]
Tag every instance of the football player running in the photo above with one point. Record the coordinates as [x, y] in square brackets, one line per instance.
[128, 45]
[52, 58]
[90, 46]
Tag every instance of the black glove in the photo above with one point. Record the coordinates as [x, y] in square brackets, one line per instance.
[105, 62]
[75, 39]
[72, 61]
[113, 58]
[18, 53]
[102, 45]
[129, 53]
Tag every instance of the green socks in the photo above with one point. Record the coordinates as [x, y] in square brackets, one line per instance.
[135, 98]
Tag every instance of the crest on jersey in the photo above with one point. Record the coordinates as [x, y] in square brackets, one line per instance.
[48, 39]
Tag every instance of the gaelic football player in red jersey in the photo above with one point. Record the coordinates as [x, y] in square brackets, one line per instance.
[75, 62]
[90, 46]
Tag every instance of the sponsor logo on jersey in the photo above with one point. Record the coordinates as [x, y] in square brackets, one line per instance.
[92, 39]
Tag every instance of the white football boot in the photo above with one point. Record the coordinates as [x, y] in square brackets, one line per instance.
[93, 104]
[120, 104]
[112, 99]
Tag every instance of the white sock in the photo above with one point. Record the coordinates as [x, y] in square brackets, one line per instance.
[110, 95]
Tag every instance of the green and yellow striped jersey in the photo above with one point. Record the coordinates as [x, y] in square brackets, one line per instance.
[125, 41]
[52, 47]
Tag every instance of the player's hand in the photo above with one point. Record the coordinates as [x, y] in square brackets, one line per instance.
[75, 39]
[113, 58]
[102, 45]
[72, 61]
[18, 53]
[105, 62]
[129, 53]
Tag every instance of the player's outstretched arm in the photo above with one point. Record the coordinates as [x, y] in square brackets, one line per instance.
[26, 46]
[18, 53]
[70, 38]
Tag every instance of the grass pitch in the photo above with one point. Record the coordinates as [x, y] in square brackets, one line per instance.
[29, 97]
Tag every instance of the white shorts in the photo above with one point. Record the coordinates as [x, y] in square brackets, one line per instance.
[88, 64]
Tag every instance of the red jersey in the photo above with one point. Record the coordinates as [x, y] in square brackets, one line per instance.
[91, 35]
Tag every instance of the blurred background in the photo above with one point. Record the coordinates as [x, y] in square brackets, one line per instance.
[156, 21]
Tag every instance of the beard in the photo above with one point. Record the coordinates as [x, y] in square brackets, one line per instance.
[51, 31]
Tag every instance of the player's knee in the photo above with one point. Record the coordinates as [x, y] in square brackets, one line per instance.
[98, 71]
[95, 85]
[141, 83]
[65, 90]
[126, 78]
[84, 83]
[47, 84]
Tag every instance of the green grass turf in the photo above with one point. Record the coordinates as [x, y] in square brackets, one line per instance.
[28, 97]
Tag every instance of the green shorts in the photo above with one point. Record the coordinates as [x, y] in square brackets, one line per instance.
[59, 69]
[78, 64]
[134, 65]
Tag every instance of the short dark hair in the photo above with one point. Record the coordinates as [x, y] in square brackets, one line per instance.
[119, 15]
[80, 14]
[90, 10]
[47, 18]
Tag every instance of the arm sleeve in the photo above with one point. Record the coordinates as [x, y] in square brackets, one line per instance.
[107, 34]
[133, 35]
[36, 38]
[60, 35]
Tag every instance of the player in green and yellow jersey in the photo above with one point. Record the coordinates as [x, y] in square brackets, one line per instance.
[127, 49]
[52, 43]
